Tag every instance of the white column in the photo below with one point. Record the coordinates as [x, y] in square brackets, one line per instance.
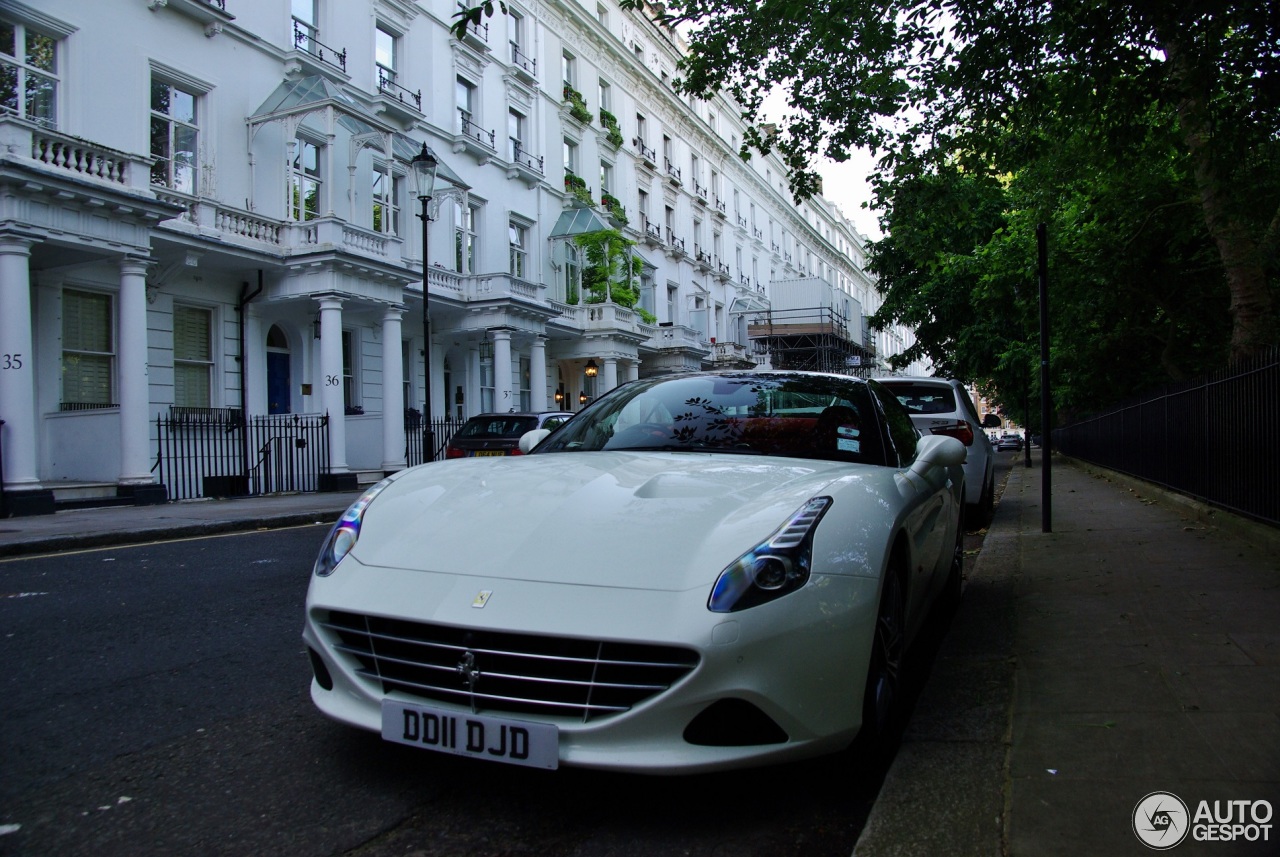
[633, 370]
[255, 357]
[503, 401]
[392, 391]
[610, 376]
[17, 365]
[331, 398]
[439, 395]
[538, 374]
[131, 370]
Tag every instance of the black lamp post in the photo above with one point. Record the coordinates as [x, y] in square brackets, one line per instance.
[423, 178]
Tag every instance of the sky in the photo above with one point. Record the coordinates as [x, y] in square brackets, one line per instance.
[846, 185]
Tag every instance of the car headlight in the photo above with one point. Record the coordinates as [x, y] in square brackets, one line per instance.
[342, 538]
[771, 569]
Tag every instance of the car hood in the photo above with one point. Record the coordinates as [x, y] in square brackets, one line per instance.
[644, 520]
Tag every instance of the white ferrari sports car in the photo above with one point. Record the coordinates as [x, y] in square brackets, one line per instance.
[696, 572]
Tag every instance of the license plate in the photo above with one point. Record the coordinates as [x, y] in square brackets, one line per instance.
[516, 742]
[489, 452]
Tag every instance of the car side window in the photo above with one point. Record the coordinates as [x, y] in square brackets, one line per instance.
[902, 433]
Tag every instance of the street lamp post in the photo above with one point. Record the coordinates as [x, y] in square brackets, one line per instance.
[423, 178]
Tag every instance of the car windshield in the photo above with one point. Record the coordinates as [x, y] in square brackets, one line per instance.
[924, 398]
[787, 414]
[496, 426]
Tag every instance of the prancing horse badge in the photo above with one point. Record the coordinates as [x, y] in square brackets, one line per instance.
[482, 598]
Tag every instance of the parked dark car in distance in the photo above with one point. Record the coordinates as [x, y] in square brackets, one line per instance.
[499, 434]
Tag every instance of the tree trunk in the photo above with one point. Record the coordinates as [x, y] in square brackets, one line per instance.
[1253, 319]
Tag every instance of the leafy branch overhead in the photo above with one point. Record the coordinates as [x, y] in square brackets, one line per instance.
[1041, 105]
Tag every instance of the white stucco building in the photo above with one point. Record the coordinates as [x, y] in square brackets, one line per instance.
[206, 211]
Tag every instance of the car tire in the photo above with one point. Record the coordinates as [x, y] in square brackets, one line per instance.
[882, 701]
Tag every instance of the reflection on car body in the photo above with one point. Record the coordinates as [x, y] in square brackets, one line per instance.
[751, 555]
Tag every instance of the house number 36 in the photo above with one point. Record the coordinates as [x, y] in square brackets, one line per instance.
[332, 380]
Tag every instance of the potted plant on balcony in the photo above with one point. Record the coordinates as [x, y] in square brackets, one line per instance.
[577, 186]
[610, 123]
[613, 205]
[577, 105]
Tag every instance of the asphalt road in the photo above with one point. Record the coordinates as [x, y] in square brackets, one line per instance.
[155, 702]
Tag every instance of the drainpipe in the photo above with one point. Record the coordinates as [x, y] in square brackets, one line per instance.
[244, 394]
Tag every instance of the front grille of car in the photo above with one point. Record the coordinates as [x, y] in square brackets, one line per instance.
[493, 671]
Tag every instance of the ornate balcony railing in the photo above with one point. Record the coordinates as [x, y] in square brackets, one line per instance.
[304, 39]
[523, 61]
[523, 158]
[472, 131]
[388, 85]
[650, 156]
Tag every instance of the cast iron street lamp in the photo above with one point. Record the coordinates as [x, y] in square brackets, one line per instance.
[423, 178]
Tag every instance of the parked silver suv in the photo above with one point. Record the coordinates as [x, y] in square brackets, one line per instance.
[943, 406]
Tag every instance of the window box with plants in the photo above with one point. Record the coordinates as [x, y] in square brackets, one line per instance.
[577, 105]
[610, 124]
[613, 205]
[577, 185]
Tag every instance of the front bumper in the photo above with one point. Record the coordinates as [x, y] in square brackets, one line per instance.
[800, 660]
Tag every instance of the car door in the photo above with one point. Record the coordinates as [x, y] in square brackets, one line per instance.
[929, 510]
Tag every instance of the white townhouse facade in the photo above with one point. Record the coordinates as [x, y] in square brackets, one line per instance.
[206, 215]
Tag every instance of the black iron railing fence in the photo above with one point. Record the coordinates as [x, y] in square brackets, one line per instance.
[1215, 438]
[443, 429]
[4, 504]
[216, 452]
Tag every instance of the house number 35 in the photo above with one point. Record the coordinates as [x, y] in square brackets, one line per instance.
[11, 361]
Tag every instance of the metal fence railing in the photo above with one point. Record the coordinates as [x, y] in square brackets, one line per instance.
[216, 452]
[1214, 438]
[443, 430]
[4, 504]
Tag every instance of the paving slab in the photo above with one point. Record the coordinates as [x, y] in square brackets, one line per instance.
[1141, 639]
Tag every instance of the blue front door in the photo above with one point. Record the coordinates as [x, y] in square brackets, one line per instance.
[278, 382]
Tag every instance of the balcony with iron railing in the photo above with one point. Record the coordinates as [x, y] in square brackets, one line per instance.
[525, 166]
[673, 172]
[647, 155]
[720, 209]
[652, 232]
[313, 54]
[699, 192]
[702, 259]
[473, 139]
[477, 36]
[675, 246]
[742, 222]
[524, 66]
[395, 100]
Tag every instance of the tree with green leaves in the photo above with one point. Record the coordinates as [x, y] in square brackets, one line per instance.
[612, 272]
[928, 82]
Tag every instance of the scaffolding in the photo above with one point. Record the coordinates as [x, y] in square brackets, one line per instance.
[813, 339]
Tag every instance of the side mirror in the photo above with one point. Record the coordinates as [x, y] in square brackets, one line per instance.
[991, 420]
[530, 439]
[937, 450]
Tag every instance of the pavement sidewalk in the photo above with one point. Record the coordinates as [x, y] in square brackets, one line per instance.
[1134, 649]
[87, 528]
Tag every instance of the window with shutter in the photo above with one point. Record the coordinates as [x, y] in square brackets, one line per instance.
[192, 357]
[88, 349]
